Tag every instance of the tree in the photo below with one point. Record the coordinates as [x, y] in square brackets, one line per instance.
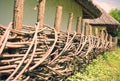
[116, 14]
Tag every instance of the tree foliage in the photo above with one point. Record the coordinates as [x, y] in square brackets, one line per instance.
[116, 14]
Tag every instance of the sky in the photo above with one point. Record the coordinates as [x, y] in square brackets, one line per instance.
[107, 5]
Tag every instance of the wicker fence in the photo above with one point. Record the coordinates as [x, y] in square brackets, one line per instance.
[47, 53]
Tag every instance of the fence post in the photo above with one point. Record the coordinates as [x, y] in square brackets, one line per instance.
[83, 27]
[106, 37]
[58, 18]
[18, 14]
[87, 29]
[110, 40]
[41, 11]
[78, 26]
[96, 32]
[90, 29]
[70, 22]
[102, 34]
[115, 41]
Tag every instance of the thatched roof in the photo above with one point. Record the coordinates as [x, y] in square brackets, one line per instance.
[104, 19]
[89, 9]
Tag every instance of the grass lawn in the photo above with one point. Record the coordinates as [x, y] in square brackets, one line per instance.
[104, 68]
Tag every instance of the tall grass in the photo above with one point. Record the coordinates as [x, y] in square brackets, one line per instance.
[104, 68]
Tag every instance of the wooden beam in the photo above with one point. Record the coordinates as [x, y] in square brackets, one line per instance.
[41, 11]
[18, 14]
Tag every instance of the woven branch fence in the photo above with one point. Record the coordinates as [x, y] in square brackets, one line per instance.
[47, 53]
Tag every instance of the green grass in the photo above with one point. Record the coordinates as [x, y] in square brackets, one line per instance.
[104, 68]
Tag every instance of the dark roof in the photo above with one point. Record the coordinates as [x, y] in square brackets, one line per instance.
[104, 19]
[89, 9]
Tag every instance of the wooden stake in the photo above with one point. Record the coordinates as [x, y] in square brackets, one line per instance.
[70, 22]
[90, 29]
[78, 26]
[115, 40]
[41, 11]
[96, 32]
[58, 18]
[87, 29]
[18, 14]
[106, 37]
[102, 34]
[83, 27]
[110, 40]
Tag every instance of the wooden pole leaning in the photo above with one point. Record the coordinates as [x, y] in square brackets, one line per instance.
[58, 18]
[18, 14]
[41, 12]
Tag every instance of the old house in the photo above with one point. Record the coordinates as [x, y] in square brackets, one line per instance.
[80, 8]
[105, 23]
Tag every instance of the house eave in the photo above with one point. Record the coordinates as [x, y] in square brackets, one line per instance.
[89, 9]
